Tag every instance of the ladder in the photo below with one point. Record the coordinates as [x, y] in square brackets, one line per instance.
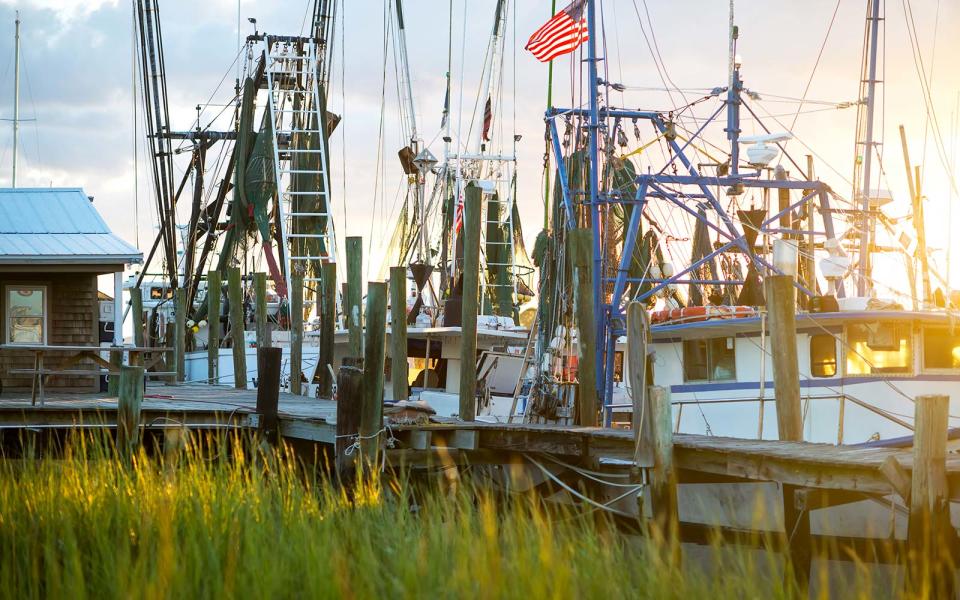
[300, 160]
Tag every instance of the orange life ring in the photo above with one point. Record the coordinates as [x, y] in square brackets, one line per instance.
[693, 314]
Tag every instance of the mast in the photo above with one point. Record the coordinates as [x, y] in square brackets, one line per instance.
[16, 96]
[866, 238]
[594, 131]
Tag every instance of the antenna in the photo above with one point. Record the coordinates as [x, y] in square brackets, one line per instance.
[16, 97]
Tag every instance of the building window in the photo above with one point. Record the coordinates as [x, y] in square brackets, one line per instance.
[941, 349]
[709, 360]
[26, 314]
[879, 348]
[823, 355]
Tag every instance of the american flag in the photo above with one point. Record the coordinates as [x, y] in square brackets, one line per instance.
[563, 33]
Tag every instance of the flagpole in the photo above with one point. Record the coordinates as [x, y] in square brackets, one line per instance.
[546, 179]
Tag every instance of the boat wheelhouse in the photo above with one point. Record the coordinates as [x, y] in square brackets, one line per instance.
[859, 373]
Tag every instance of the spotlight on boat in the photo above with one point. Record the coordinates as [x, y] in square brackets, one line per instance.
[760, 154]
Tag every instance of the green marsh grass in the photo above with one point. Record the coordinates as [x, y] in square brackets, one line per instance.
[235, 524]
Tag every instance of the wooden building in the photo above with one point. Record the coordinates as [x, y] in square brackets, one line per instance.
[53, 246]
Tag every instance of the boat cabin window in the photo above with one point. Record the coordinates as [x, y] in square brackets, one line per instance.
[26, 309]
[941, 348]
[878, 348]
[823, 355]
[709, 360]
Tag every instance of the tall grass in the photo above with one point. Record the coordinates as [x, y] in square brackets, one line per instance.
[232, 525]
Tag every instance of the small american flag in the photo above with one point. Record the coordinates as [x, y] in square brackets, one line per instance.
[563, 33]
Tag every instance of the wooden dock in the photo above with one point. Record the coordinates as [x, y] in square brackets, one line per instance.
[697, 458]
[811, 476]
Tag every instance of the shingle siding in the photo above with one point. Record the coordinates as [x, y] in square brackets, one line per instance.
[72, 319]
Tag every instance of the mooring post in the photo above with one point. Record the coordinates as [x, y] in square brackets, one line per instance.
[328, 327]
[641, 376]
[113, 378]
[663, 482]
[263, 321]
[398, 332]
[349, 401]
[136, 311]
[931, 538]
[353, 309]
[235, 297]
[371, 412]
[781, 317]
[781, 311]
[180, 332]
[268, 393]
[214, 290]
[296, 333]
[579, 249]
[471, 290]
[128, 410]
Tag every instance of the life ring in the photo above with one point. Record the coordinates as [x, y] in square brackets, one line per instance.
[694, 314]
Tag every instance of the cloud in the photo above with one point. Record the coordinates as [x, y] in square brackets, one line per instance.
[66, 11]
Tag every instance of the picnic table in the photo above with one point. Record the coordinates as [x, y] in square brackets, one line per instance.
[76, 354]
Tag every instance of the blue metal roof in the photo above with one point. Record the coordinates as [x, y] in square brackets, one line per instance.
[58, 225]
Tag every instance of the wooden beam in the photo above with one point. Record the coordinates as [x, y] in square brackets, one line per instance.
[263, 322]
[328, 327]
[268, 392]
[781, 308]
[136, 311]
[663, 482]
[235, 298]
[580, 251]
[350, 395]
[398, 333]
[371, 412]
[128, 411]
[354, 309]
[180, 332]
[640, 370]
[214, 290]
[931, 538]
[296, 333]
[469, 307]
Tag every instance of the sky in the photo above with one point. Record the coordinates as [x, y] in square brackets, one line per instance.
[77, 90]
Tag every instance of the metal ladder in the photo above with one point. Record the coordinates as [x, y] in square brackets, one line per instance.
[294, 105]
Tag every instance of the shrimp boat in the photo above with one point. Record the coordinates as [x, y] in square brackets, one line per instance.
[265, 205]
[692, 234]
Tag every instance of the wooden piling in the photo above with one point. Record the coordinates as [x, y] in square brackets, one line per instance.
[663, 481]
[349, 401]
[268, 393]
[113, 378]
[180, 332]
[471, 290]
[641, 376]
[235, 297]
[931, 539]
[213, 327]
[398, 332]
[328, 327]
[353, 309]
[781, 311]
[136, 311]
[371, 412]
[128, 410]
[263, 321]
[580, 251]
[296, 333]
